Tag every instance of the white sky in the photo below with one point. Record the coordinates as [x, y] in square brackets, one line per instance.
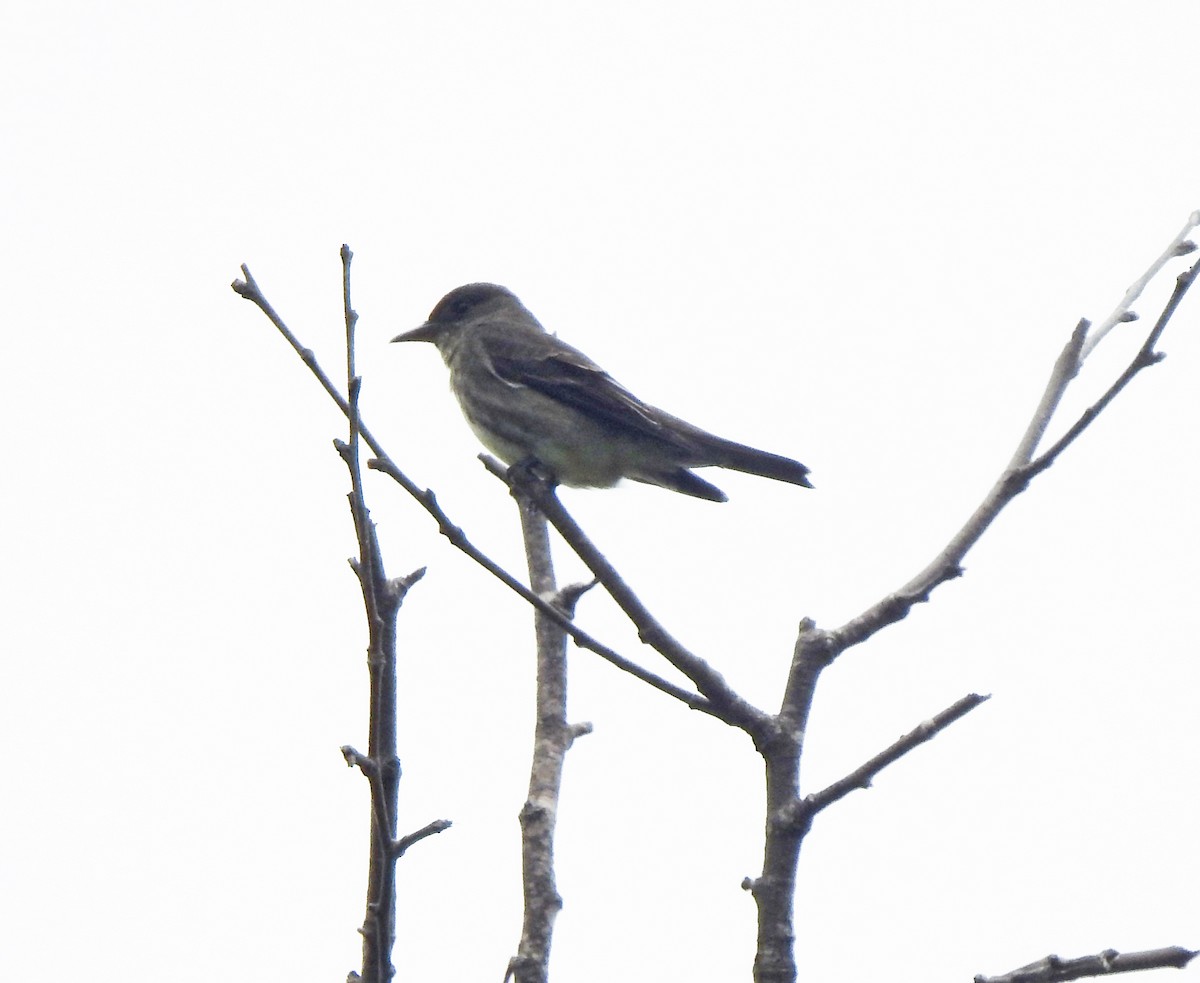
[857, 234]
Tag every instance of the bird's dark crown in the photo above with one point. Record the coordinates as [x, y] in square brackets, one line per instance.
[461, 301]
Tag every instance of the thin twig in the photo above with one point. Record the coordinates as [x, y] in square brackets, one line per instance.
[1145, 357]
[458, 538]
[401, 846]
[862, 776]
[1179, 246]
[248, 290]
[1066, 367]
[381, 764]
[1013, 481]
[1053, 969]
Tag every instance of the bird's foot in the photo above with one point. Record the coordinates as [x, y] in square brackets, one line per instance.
[530, 468]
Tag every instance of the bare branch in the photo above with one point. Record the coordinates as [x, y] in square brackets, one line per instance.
[356, 759]
[400, 847]
[368, 545]
[552, 737]
[1179, 246]
[862, 776]
[1066, 367]
[459, 540]
[734, 709]
[381, 764]
[248, 290]
[1014, 480]
[812, 653]
[781, 745]
[1146, 356]
[1052, 969]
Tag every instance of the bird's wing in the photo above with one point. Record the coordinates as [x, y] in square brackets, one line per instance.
[567, 375]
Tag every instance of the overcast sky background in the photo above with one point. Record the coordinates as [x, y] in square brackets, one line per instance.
[855, 234]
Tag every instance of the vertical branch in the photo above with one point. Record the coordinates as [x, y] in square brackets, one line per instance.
[552, 737]
[382, 765]
[382, 598]
[774, 892]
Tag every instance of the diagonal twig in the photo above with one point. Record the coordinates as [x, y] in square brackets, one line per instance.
[1145, 357]
[1014, 480]
[1179, 246]
[862, 776]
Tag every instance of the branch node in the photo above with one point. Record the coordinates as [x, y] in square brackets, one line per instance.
[818, 647]
[1016, 480]
[797, 816]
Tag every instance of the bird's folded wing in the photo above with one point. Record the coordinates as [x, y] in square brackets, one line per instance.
[571, 378]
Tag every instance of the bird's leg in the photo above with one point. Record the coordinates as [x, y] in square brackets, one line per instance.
[532, 469]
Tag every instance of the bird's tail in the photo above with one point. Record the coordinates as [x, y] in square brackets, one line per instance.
[739, 457]
[721, 453]
[684, 481]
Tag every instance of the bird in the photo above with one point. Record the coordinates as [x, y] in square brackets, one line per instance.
[531, 398]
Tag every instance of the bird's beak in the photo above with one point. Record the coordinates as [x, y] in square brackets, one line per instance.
[426, 332]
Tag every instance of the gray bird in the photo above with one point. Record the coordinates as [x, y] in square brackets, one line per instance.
[530, 397]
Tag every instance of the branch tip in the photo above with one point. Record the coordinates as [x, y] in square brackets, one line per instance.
[401, 846]
[355, 758]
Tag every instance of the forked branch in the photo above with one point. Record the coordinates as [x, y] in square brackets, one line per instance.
[1024, 467]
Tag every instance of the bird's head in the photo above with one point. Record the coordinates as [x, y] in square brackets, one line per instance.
[464, 307]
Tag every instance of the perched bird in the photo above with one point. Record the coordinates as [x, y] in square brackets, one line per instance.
[530, 397]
